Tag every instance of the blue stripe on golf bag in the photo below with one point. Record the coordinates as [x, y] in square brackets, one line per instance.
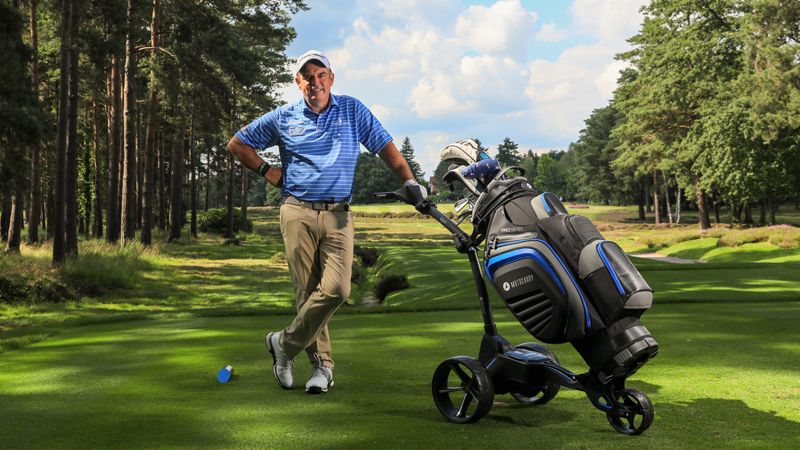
[540, 290]
[498, 261]
[610, 269]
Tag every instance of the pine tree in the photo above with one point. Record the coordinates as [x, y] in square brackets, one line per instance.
[507, 153]
[407, 150]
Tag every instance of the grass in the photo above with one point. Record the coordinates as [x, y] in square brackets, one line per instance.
[151, 384]
[90, 372]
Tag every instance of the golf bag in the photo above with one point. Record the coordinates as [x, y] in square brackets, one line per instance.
[562, 280]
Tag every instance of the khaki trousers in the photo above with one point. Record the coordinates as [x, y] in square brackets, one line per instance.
[319, 250]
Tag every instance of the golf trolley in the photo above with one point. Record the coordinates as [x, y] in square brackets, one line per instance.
[534, 281]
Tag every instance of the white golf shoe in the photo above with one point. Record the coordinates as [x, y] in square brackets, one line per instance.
[282, 366]
[321, 378]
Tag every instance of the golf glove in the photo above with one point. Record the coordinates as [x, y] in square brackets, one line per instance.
[422, 190]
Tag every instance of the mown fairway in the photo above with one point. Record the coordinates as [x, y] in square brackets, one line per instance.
[92, 374]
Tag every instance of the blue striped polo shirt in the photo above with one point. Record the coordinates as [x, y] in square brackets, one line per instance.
[318, 152]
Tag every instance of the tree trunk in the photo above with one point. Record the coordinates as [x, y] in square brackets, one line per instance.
[678, 204]
[162, 194]
[748, 215]
[97, 228]
[176, 181]
[5, 215]
[193, 177]
[84, 219]
[772, 207]
[139, 168]
[229, 171]
[15, 221]
[150, 139]
[702, 209]
[666, 198]
[208, 178]
[36, 188]
[716, 212]
[59, 251]
[245, 188]
[50, 211]
[112, 195]
[640, 200]
[71, 188]
[655, 198]
[128, 218]
[230, 178]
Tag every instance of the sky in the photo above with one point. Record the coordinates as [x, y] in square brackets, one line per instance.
[438, 71]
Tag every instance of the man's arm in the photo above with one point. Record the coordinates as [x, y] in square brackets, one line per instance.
[394, 159]
[249, 158]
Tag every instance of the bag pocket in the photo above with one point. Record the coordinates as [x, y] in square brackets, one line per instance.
[615, 285]
[570, 234]
[540, 290]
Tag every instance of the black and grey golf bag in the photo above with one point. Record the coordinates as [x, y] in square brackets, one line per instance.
[562, 280]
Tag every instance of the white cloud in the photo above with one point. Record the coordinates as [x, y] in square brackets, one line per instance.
[438, 71]
[422, 12]
[564, 92]
[612, 21]
[551, 33]
[497, 29]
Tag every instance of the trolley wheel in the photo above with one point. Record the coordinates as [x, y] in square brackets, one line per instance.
[634, 413]
[462, 389]
[547, 391]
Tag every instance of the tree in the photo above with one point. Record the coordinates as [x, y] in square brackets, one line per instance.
[36, 154]
[550, 175]
[193, 179]
[59, 215]
[681, 59]
[507, 153]
[150, 142]
[196, 55]
[372, 176]
[71, 188]
[113, 116]
[176, 180]
[127, 212]
[20, 128]
[594, 152]
[529, 162]
[407, 150]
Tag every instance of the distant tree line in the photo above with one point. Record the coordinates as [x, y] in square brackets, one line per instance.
[114, 114]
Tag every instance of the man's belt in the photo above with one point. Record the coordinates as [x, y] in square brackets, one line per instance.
[318, 206]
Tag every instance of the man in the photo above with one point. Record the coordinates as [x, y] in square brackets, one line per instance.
[318, 139]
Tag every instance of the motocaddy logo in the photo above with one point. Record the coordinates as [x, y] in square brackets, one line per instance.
[508, 285]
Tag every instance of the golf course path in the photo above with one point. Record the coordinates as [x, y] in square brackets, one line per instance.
[664, 258]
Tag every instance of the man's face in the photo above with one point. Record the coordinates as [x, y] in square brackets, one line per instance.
[315, 83]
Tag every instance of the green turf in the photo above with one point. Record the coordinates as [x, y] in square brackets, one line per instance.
[85, 374]
[726, 378]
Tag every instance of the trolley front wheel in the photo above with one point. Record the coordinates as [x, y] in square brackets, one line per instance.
[462, 389]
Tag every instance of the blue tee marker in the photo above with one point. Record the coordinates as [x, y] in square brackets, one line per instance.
[225, 374]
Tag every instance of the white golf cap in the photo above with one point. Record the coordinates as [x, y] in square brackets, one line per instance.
[310, 55]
